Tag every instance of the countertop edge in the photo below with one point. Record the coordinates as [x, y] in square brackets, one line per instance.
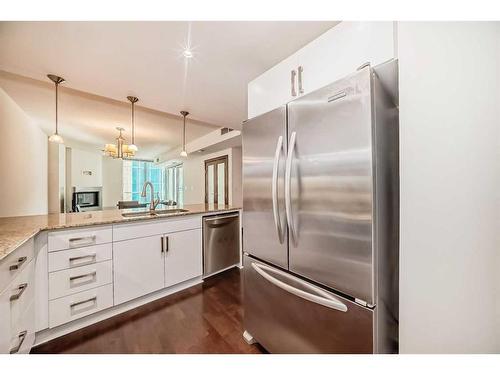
[4, 253]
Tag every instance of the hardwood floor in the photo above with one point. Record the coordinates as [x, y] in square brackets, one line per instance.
[206, 318]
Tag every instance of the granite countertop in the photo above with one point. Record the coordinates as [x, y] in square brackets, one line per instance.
[14, 231]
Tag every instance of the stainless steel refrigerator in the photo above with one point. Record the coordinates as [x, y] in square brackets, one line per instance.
[321, 219]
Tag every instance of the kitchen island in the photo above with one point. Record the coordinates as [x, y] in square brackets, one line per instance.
[62, 272]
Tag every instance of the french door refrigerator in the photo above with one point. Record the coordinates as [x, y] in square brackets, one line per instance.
[321, 219]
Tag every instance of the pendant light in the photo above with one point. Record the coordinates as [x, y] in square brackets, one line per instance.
[184, 152]
[133, 100]
[56, 138]
[120, 150]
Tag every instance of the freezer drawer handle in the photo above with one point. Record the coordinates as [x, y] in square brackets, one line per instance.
[321, 297]
[288, 187]
[274, 187]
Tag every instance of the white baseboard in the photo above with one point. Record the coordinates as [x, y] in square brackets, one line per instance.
[52, 333]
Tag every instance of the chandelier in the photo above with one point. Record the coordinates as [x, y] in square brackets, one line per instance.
[120, 150]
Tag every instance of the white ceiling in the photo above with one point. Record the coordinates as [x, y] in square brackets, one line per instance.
[116, 59]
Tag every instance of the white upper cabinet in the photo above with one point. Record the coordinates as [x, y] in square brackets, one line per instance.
[273, 88]
[333, 55]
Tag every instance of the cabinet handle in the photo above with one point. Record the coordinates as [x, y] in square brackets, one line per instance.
[301, 89]
[75, 304]
[91, 260]
[166, 244]
[21, 288]
[91, 274]
[293, 73]
[19, 263]
[82, 241]
[162, 241]
[22, 335]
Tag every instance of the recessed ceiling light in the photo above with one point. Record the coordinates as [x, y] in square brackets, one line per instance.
[187, 53]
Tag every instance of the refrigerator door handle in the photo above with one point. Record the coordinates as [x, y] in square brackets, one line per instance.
[288, 183]
[309, 292]
[276, 212]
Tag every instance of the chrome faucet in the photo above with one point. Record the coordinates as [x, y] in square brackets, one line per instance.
[154, 202]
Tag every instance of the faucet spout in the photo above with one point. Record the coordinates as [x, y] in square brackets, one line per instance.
[154, 202]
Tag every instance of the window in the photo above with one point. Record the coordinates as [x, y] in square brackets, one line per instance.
[167, 181]
[174, 183]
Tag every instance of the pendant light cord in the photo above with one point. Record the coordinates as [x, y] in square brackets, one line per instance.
[133, 125]
[57, 86]
[184, 135]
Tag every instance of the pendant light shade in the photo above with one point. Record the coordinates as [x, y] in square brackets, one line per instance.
[120, 150]
[133, 100]
[184, 152]
[56, 138]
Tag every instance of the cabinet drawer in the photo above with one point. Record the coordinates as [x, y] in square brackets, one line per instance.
[22, 295]
[66, 259]
[13, 264]
[70, 239]
[151, 228]
[66, 309]
[74, 280]
[23, 331]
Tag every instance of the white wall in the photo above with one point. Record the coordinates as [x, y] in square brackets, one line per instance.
[85, 161]
[237, 187]
[194, 176]
[56, 177]
[23, 162]
[450, 187]
[112, 181]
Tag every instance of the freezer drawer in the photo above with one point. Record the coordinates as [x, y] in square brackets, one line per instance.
[286, 314]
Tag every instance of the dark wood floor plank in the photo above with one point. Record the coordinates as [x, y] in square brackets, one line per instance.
[205, 318]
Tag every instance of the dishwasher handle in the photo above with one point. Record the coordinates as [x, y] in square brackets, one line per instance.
[218, 221]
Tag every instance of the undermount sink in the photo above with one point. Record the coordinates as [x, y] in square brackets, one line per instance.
[154, 213]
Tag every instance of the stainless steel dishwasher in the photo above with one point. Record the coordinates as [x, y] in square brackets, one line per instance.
[221, 243]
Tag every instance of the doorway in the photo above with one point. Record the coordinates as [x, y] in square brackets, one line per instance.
[217, 180]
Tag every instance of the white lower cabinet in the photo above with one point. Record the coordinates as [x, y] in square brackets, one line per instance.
[17, 313]
[138, 267]
[74, 280]
[5, 327]
[183, 256]
[66, 309]
[147, 264]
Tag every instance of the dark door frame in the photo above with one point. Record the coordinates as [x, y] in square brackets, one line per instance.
[218, 160]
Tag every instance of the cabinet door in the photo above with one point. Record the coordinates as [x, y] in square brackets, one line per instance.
[273, 88]
[5, 330]
[342, 49]
[183, 259]
[138, 268]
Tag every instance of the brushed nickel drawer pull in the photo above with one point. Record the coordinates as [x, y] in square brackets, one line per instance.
[293, 74]
[19, 263]
[301, 71]
[91, 274]
[82, 241]
[75, 304]
[92, 258]
[21, 288]
[22, 335]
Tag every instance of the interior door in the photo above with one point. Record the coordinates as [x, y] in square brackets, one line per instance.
[329, 186]
[264, 153]
[217, 181]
